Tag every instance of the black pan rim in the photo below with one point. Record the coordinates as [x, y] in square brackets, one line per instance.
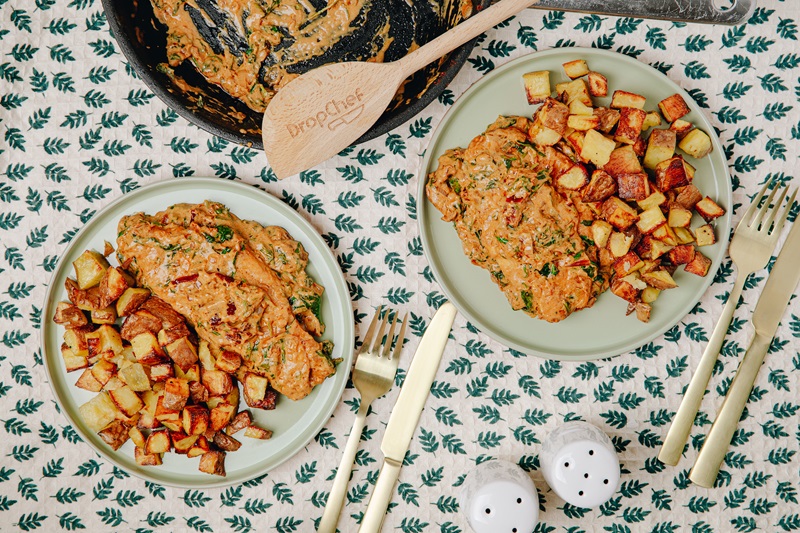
[384, 125]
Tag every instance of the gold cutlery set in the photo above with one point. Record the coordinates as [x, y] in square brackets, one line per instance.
[750, 250]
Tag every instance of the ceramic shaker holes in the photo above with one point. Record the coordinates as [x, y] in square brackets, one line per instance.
[499, 497]
[580, 464]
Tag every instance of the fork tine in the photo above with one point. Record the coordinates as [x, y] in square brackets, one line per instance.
[368, 337]
[765, 208]
[751, 211]
[774, 211]
[785, 214]
[400, 338]
[375, 349]
[387, 346]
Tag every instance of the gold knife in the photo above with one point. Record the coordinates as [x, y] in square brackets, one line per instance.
[405, 415]
[770, 308]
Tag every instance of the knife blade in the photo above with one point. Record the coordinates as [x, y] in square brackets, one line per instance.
[406, 412]
[770, 308]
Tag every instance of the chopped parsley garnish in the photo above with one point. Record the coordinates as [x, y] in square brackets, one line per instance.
[587, 240]
[527, 299]
[549, 269]
[501, 239]
[455, 185]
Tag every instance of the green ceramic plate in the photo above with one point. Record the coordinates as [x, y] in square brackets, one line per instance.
[602, 330]
[294, 423]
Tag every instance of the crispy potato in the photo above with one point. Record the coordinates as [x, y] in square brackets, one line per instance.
[87, 381]
[608, 118]
[255, 432]
[163, 311]
[213, 462]
[630, 125]
[553, 115]
[582, 122]
[681, 128]
[115, 434]
[183, 353]
[573, 179]
[537, 86]
[200, 447]
[228, 361]
[688, 196]
[182, 443]
[622, 99]
[598, 84]
[652, 120]
[195, 419]
[660, 147]
[69, 315]
[696, 143]
[161, 372]
[147, 350]
[146, 459]
[126, 400]
[597, 148]
[673, 107]
[176, 393]
[643, 311]
[131, 300]
[98, 412]
[671, 173]
[90, 267]
[225, 442]
[627, 264]
[136, 436]
[619, 244]
[650, 220]
[576, 68]
[217, 382]
[659, 279]
[104, 316]
[220, 416]
[139, 322]
[575, 90]
[699, 265]
[618, 213]
[600, 187]
[73, 362]
[136, 376]
[633, 186]
[86, 299]
[541, 135]
[708, 209]
[623, 160]
[576, 107]
[656, 198]
[681, 254]
[705, 235]
[601, 231]
[114, 283]
[623, 288]
[239, 422]
[679, 217]
[157, 442]
[198, 392]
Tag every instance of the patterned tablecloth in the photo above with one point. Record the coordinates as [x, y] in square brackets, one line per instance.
[79, 129]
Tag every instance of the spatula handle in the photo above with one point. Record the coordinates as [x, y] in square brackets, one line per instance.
[465, 31]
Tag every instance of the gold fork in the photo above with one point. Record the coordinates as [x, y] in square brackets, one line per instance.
[373, 375]
[750, 249]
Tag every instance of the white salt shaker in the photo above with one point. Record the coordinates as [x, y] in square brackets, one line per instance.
[580, 464]
[500, 497]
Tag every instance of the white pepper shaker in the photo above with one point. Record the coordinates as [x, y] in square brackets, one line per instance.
[580, 464]
[499, 497]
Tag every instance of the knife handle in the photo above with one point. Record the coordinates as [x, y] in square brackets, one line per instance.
[681, 426]
[707, 465]
[381, 496]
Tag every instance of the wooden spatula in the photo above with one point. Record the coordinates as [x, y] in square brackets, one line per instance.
[323, 111]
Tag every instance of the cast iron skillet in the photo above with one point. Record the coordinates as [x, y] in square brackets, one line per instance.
[142, 39]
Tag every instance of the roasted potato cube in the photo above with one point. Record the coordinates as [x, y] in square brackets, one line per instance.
[633, 186]
[696, 143]
[75, 338]
[98, 412]
[659, 279]
[131, 300]
[651, 249]
[135, 375]
[671, 173]
[255, 388]
[90, 267]
[600, 187]
[537, 86]
[630, 125]
[115, 434]
[104, 316]
[541, 135]
[575, 140]
[628, 263]
[200, 447]
[147, 420]
[182, 443]
[619, 244]
[688, 197]
[683, 235]
[229, 361]
[126, 400]
[183, 353]
[213, 462]
[576, 107]
[168, 336]
[191, 374]
[576, 68]
[204, 354]
[87, 381]
[106, 338]
[113, 384]
[650, 294]
[239, 422]
[161, 372]
[650, 220]
[597, 147]
[225, 442]
[582, 122]
[220, 416]
[162, 310]
[255, 432]
[601, 230]
[699, 265]
[139, 322]
[136, 436]
[655, 199]
[708, 209]
[618, 213]
[85, 299]
[114, 283]
[176, 393]
[73, 362]
[622, 99]
[623, 160]
[665, 234]
[608, 118]
[573, 179]
[681, 128]
[598, 84]
[660, 147]
[681, 254]
[553, 114]
[652, 120]
[217, 382]
[643, 311]
[157, 442]
[146, 349]
[705, 235]
[198, 392]
[673, 107]
[69, 315]
[146, 459]
[103, 371]
[623, 288]
[575, 90]
[679, 217]
[195, 419]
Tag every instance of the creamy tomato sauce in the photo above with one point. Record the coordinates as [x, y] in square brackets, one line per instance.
[242, 286]
[534, 239]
